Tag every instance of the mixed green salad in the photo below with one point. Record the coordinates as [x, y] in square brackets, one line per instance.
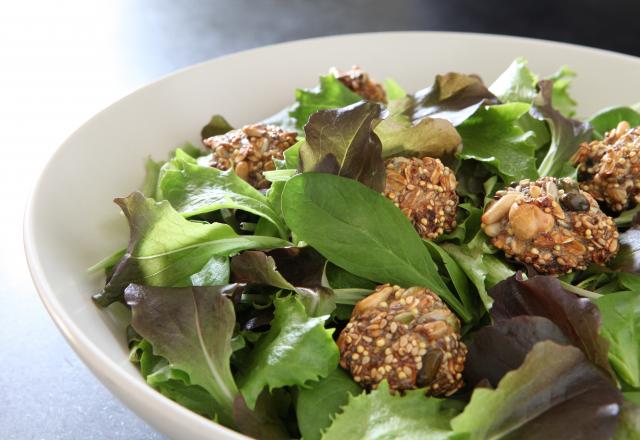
[462, 262]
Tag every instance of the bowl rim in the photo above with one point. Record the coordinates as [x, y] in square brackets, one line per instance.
[102, 366]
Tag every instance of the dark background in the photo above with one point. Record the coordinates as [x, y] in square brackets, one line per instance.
[60, 62]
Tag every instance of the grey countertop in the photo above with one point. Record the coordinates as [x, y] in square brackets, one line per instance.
[63, 61]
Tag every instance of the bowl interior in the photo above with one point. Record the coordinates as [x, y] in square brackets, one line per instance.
[71, 222]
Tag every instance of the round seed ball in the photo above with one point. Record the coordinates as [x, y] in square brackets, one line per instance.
[550, 224]
[249, 151]
[609, 169]
[359, 82]
[425, 190]
[407, 337]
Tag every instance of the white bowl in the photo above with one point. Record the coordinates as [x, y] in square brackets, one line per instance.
[71, 223]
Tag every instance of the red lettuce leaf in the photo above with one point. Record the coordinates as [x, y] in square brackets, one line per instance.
[578, 318]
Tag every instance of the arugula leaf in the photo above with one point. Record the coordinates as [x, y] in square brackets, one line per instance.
[516, 84]
[609, 118]
[217, 125]
[165, 249]
[361, 231]
[556, 393]
[296, 350]
[578, 318]
[621, 326]
[453, 96]
[197, 338]
[425, 137]
[342, 142]
[329, 94]
[193, 189]
[493, 136]
[561, 99]
[381, 415]
[566, 134]
[319, 403]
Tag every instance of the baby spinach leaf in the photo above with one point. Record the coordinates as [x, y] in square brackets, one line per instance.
[165, 249]
[609, 118]
[361, 231]
[329, 94]
[621, 326]
[318, 404]
[296, 350]
[193, 189]
[217, 125]
[381, 415]
[556, 393]
[197, 338]
[578, 318]
[493, 136]
[342, 142]
[566, 134]
[516, 84]
[453, 96]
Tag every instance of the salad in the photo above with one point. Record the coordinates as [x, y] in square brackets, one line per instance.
[462, 262]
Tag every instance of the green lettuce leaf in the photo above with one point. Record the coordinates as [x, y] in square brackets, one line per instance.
[561, 99]
[197, 338]
[516, 84]
[165, 249]
[215, 272]
[217, 125]
[453, 96]
[296, 350]
[621, 326]
[609, 118]
[380, 415]
[318, 404]
[150, 183]
[493, 136]
[556, 394]
[329, 94]
[425, 137]
[393, 90]
[566, 134]
[334, 216]
[193, 189]
[343, 142]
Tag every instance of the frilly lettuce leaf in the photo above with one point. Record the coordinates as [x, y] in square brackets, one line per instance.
[516, 84]
[493, 136]
[329, 94]
[556, 393]
[381, 415]
[343, 142]
[296, 350]
[165, 249]
[322, 400]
